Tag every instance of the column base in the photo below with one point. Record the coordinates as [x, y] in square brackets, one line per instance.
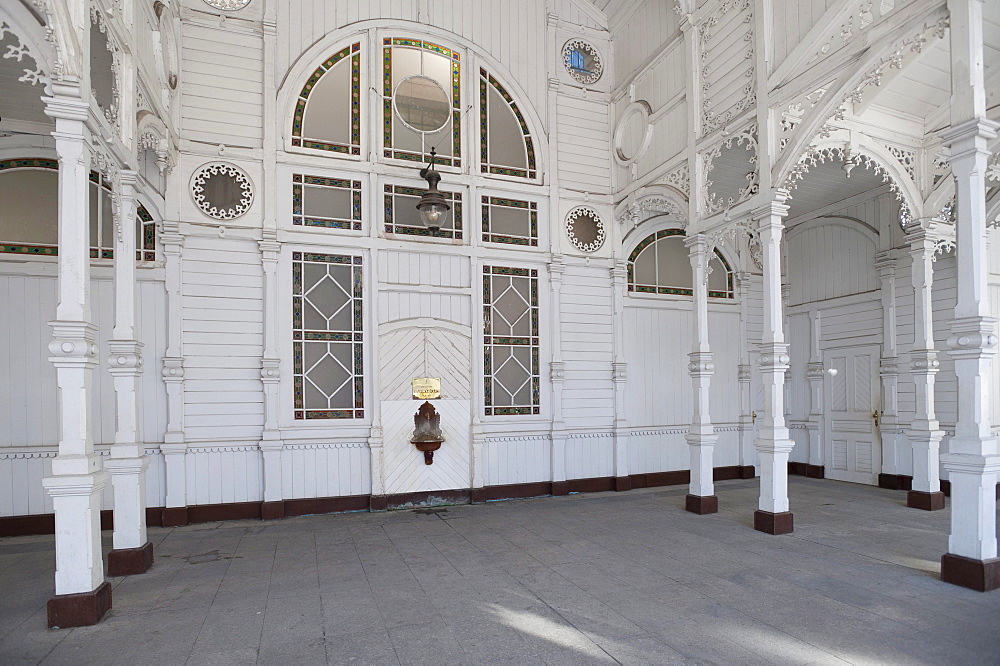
[272, 510]
[560, 488]
[622, 483]
[130, 561]
[79, 610]
[175, 516]
[378, 503]
[918, 499]
[979, 575]
[477, 495]
[773, 523]
[701, 504]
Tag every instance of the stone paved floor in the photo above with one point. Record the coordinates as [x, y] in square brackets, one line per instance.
[604, 578]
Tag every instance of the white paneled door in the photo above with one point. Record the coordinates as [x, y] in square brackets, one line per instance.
[853, 451]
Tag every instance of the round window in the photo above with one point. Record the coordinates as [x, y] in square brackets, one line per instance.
[422, 104]
[222, 191]
[585, 229]
[228, 5]
[582, 61]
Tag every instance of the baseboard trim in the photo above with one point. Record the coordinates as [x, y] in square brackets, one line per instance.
[805, 469]
[210, 513]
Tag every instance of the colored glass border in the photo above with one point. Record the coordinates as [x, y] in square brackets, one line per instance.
[146, 251]
[455, 198]
[389, 151]
[484, 145]
[301, 335]
[675, 291]
[508, 239]
[299, 218]
[354, 148]
[490, 340]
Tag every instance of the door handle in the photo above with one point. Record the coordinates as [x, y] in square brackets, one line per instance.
[753, 418]
[875, 416]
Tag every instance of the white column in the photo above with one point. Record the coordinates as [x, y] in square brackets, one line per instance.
[743, 378]
[815, 373]
[77, 479]
[271, 444]
[773, 442]
[557, 374]
[924, 433]
[132, 554]
[701, 437]
[973, 462]
[892, 440]
[619, 375]
[174, 447]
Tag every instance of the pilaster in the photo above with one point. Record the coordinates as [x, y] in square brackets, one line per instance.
[744, 375]
[557, 375]
[701, 437]
[773, 443]
[890, 431]
[271, 444]
[619, 375]
[174, 447]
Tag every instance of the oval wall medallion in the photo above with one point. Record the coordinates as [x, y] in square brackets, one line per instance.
[585, 229]
[633, 133]
[222, 191]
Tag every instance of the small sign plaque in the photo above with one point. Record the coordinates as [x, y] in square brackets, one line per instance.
[426, 388]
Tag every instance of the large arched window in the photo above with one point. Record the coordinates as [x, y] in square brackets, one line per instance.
[328, 110]
[660, 265]
[29, 219]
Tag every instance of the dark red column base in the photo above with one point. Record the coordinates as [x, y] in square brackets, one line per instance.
[979, 575]
[772, 523]
[623, 483]
[701, 504]
[378, 503]
[272, 510]
[79, 610]
[560, 488]
[130, 561]
[477, 495]
[175, 516]
[918, 499]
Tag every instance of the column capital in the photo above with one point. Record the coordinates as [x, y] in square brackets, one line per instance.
[885, 264]
[64, 107]
[970, 130]
[128, 178]
[557, 267]
[619, 271]
[697, 242]
[776, 208]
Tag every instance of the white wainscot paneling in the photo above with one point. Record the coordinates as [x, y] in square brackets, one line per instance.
[419, 269]
[800, 435]
[21, 474]
[224, 474]
[658, 450]
[516, 460]
[587, 347]
[326, 470]
[589, 455]
[29, 397]
[584, 144]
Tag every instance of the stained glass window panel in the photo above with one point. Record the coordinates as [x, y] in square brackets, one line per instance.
[660, 265]
[511, 335]
[327, 339]
[331, 203]
[402, 217]
[328, 111]
[510, 221]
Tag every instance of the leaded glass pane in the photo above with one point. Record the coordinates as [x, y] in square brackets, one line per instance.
[506, 147]
[510, 318]
[327, 336]
[402, 217]
[328, 111]
[660, 264]
[510, 221]
[331, 203]
[433, 66]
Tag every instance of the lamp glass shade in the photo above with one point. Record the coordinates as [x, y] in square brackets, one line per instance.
[433, 214]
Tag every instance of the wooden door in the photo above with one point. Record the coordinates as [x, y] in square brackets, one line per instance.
[853, 447]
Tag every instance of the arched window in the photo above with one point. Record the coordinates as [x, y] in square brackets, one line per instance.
[506, 147]
[328, 111]
[660, 265]
[422, 101]
[29, 218]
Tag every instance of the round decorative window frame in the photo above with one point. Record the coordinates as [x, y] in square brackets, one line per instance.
[215, 168]
[582, 45]
[571, 219]
[395, 109]
[642, 109]
[228, 5]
